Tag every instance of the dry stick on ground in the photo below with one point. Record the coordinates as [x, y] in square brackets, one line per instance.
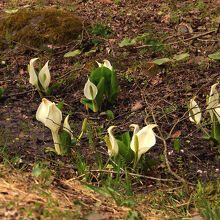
[176, 42]
[165, 144]
[134, 175]
[163, 139]
[165, 152]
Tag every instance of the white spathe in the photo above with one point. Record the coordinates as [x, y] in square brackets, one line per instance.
[33, 76]
[213, 101]
[44, 76]
[66, 126]
[146, 138]
[114, 145]
[51, 116]
[87, 90]
[217, 112]
[105, 64]
[195, 114]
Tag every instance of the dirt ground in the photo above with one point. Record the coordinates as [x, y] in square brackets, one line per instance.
[173, 27]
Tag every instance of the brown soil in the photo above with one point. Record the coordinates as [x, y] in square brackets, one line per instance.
[145, 88]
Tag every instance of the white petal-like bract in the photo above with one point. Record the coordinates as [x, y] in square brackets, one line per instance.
[90, 90]
[146, 139]
[195, 114]
[114, 145]
[42, 111]
[217, 112]
[49, 114]
[105, 64]
[54, 118]
[213, 101]
[44, 76]
[66, 126]
[33, 76]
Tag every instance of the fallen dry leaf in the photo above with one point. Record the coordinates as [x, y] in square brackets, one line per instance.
[21, 135]
[176, 134]
[21, 71]
[138, 105]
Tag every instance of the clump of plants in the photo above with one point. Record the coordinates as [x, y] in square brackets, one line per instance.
[51, 116]
[130, 150]
[102, 83]
[41, 79]
[213, 109]
[36, 28]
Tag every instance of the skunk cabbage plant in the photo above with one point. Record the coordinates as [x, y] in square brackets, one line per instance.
[42, 80]
[142, 140]
[213, 109]
[130, 150]
[105, 64]
[90, 90]
[51, 116]
[195, 114]
[213, 102]
[112, 144]
[103, 80]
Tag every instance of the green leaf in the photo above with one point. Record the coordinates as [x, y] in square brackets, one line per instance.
[115, 88]
[12, 11]
[2, 90]
[101, 89]
[215, 56]
[106, 83]
[88, 102]
[127, 42]
[36, 171]
[125, 137]
[177, 145]
[60, 105]
[142, 37]
[216, 129]
[110, 114]
[90, 52]
[181, 56]
[72, 53]
[161, 61]
[125, 151]
[65, 139]
[53, 87]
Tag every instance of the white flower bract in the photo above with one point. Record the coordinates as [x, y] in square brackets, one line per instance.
[51, 116]
[114, 145]
[66, 126]
[195, 114]
[44, 76]
[33, 76]
[105, 64]
[213, 102]
[146, 138]
[90, 90]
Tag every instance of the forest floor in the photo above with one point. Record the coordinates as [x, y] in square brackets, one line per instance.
[78, 186]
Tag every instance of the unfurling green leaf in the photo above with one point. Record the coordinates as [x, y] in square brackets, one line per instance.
[127, 42]
[177, 145]
[215, 56]
[110, 114]
[161, 61]
[72, 53]
[181, 56]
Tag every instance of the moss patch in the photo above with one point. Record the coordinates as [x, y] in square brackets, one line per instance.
[37, 28]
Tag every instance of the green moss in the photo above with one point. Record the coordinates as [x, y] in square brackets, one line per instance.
[36, 28]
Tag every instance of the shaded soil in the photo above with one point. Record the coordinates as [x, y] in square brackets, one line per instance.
[145, 88]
